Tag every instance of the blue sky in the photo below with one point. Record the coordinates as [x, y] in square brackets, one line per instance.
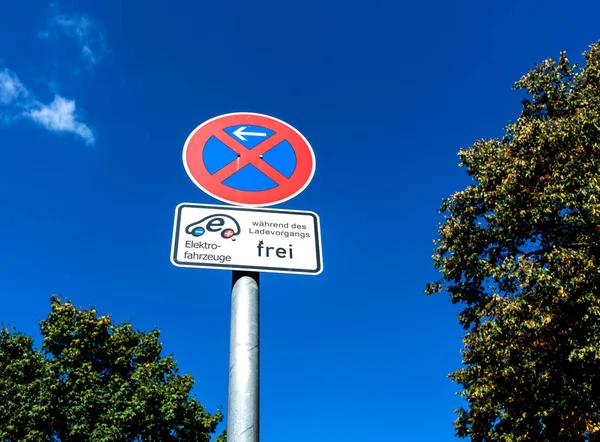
[98, 98]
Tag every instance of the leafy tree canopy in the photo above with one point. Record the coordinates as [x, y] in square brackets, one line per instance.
[519, 249]
[96, 381]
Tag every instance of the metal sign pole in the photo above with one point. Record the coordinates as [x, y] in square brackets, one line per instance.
[244, 359]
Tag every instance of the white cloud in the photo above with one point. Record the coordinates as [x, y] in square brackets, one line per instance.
[81, 29]
[11, 88]
[17, 102]
[61, 116]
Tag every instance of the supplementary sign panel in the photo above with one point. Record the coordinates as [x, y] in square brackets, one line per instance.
[249, 159]
[236, 238]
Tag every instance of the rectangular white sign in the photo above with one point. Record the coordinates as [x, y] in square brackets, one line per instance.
[239, 238]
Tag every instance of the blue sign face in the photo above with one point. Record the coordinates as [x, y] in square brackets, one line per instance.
[217, 155]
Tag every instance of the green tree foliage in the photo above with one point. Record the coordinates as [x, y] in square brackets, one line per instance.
[519, 249]
[96, 381]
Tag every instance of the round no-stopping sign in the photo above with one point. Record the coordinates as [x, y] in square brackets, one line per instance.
[249, 159]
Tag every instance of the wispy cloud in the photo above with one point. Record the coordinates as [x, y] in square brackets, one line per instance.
[61, 116]
[81, 29]
[16, 101]
[11, 88]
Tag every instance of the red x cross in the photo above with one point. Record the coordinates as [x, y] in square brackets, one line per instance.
[249, 156]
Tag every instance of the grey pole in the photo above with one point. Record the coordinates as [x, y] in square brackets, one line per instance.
[244, 359]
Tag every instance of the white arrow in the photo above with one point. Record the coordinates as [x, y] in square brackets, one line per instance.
[239, 132]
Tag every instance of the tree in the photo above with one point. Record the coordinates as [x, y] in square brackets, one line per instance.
[96, 381]
[519, 249]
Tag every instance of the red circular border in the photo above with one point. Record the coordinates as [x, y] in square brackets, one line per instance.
[196, 169]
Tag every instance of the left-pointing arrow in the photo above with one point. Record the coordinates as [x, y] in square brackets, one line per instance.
[239, 132]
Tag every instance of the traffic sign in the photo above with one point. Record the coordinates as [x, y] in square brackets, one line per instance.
[249, 159]
[239, 238]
